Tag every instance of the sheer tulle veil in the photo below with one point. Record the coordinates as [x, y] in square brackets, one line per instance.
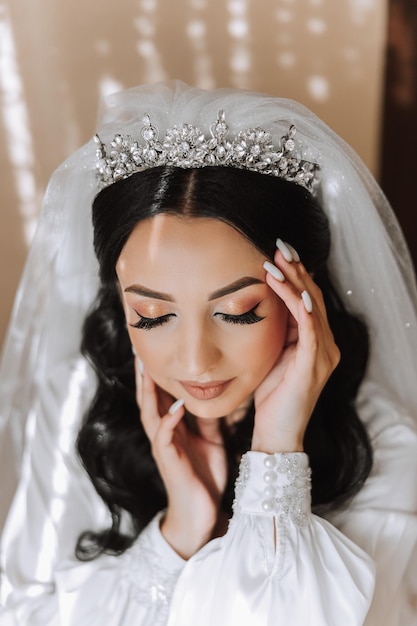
[45, 384]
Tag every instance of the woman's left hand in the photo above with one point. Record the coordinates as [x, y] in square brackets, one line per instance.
[285, 399]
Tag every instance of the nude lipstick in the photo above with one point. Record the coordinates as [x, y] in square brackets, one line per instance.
[205, 391]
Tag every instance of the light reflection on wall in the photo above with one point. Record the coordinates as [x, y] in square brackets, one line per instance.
[146, 46]
[318, 87]
[360, 10]
[196, 30]
[238, 27]
[16, 126]
[109, 85]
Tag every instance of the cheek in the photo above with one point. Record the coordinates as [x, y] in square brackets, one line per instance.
[272, 341]
[147, 346]
[279, 327]
[267, 344]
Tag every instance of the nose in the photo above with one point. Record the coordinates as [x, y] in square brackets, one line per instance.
[198, 351]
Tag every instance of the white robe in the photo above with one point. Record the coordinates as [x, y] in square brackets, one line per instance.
[272, 567]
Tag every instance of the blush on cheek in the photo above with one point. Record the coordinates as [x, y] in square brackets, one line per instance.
[272, 346]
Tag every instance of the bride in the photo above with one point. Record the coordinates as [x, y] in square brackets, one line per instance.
[227, 343]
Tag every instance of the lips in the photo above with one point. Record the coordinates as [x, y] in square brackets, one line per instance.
[205, 391]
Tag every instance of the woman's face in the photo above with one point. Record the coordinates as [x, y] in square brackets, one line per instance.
[199, 313]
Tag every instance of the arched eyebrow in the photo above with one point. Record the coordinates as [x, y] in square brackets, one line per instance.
[140, 290]
[236, 285]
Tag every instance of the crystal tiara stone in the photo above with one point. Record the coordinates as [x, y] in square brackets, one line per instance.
[187, 147]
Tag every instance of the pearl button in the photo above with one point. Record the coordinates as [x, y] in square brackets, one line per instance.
[270, 477]
[270, 461]
[270, 491]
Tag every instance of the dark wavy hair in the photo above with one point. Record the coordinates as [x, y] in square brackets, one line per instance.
[112, 443]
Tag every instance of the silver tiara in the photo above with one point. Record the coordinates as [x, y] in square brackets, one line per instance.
[187, 147]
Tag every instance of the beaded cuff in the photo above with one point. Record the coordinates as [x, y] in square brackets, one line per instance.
[276, 485]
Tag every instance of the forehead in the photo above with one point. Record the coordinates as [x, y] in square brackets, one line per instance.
[172, 244]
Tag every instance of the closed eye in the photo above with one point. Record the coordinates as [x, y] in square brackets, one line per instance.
[147, 323]
[250, 317]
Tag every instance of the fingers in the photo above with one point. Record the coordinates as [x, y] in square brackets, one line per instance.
[288, 286]
[155, 426]
[296, 287]
[307, 301]
[138, 379]
[291, 281]
[167, 425]
[296, 272]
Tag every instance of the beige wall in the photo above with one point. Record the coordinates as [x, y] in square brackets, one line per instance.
[57, 57]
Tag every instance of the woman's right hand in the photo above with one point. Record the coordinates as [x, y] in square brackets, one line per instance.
[193, 469]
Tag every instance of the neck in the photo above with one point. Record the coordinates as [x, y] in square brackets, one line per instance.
[210, 430]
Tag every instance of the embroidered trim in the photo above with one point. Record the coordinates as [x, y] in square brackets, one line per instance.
[150, 584]
[286, 487]
[292, 499]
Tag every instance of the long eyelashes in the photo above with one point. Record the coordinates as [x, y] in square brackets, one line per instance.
[250, 317]
[147, 323]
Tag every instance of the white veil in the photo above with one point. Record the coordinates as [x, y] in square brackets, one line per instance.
[45, 385]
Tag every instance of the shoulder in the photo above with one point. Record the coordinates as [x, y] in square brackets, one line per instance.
[392, 483]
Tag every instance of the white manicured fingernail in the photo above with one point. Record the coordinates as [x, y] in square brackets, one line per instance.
[294, 253]
[174, 407]
[308, 304]
[274, 271]
[140, 366]
[285, 250]
[133, 350]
